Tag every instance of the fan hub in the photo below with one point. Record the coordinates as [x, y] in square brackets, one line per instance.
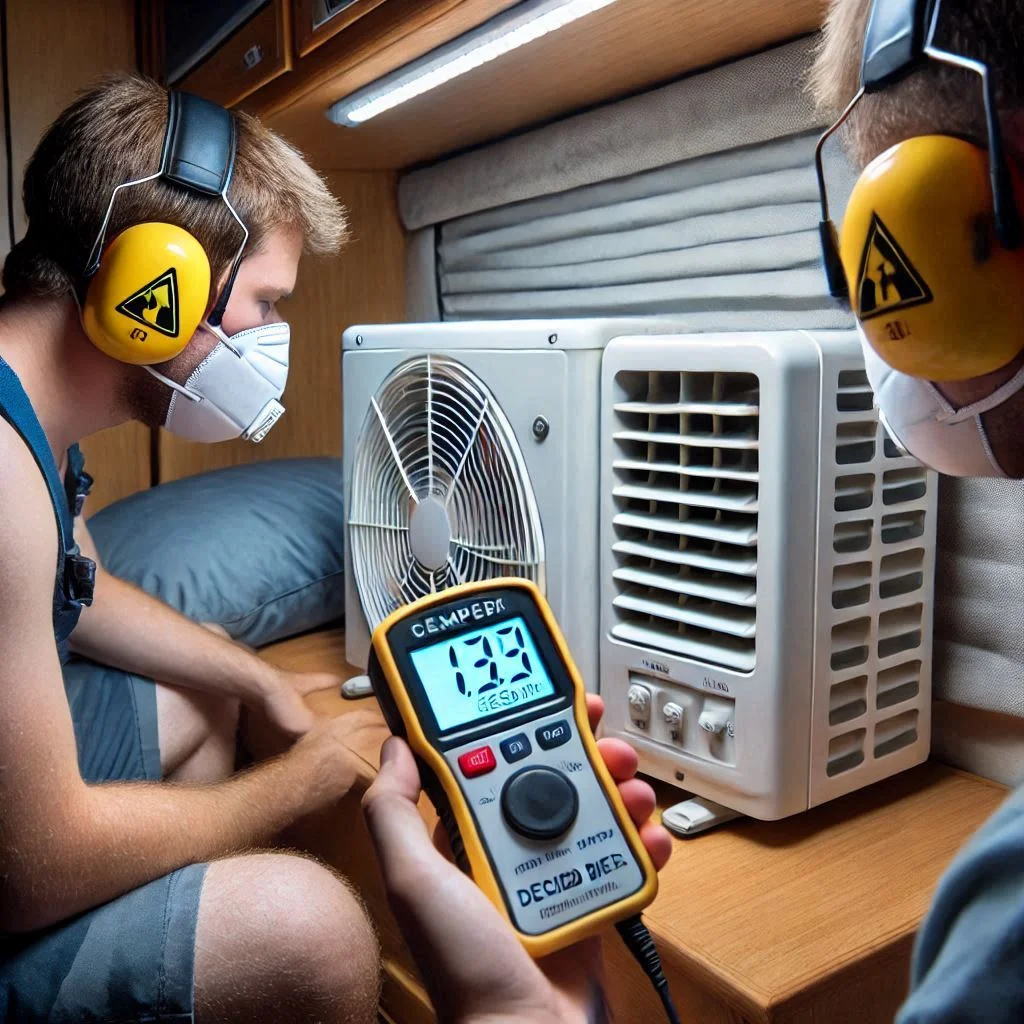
[430, 533]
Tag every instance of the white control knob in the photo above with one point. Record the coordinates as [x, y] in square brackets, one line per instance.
[673, 715]
[714, 721]
[639, 705]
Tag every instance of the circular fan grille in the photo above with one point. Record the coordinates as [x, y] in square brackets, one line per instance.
[440, 490]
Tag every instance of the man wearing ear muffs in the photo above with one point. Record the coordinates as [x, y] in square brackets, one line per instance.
[162, 232]
[930, 258]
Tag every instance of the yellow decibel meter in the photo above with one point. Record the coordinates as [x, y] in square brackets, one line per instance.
[479, 681]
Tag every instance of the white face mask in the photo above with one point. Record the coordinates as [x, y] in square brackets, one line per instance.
[234, 391]
[926, 426]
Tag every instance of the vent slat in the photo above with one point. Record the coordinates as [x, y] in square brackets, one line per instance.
[704, 472]
[678, 408]
[845, 752]
[728, 620]
[741, 502]
[723, 651]
[734, 592]
[737, 440]
[898, 684]
[725, 533]
[739, 561]
[892, 734]
[853, 393]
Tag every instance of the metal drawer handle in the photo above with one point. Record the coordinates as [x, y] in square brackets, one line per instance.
[252, 56]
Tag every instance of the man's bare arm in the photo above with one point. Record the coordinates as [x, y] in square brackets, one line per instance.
[66, 846]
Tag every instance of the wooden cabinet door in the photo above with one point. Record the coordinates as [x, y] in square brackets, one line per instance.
[318, 20]
[256, 53]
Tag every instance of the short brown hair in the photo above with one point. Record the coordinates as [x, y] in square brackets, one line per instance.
[114, 133]
[935, 98]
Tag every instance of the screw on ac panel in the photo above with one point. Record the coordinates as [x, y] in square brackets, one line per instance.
[359, 339]
[680, 776]
[552, 339]
[541, 428]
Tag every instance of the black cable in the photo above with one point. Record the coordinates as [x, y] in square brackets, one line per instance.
[639, 942]
[8, 142]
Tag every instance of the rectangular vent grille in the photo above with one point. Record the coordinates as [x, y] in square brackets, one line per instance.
[878, 581]
[686, 502]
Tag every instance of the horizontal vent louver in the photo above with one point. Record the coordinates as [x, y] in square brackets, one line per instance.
[730, 240]
[686, 466]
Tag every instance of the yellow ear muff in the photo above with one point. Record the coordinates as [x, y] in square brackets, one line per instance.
[936, 294]
[149, 294]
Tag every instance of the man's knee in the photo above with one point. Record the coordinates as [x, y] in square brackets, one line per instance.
[191, 719]
[219, 713]
[282, 931]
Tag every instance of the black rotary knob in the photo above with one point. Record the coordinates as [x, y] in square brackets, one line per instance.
[539, 803]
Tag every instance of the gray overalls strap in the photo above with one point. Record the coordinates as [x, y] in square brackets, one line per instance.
[76, 574]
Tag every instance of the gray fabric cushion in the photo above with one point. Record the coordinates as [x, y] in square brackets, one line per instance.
[255, 548]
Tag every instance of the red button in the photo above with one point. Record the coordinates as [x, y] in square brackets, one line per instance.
[477, 762]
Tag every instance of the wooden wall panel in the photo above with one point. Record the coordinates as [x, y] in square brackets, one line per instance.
[118, 460]
[364, 284]
[54, 51]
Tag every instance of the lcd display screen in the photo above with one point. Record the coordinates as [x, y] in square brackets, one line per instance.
[478, 674]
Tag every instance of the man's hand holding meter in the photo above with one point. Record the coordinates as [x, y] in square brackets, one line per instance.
[473, 965]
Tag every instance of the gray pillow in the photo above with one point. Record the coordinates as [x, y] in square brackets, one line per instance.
[255, 548]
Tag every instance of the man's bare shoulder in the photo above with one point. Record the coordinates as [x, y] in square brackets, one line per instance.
[28, 525]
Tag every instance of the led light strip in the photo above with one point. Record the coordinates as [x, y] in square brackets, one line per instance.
[508, 31]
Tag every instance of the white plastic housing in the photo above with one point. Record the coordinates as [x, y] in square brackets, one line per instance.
[543, 368]
[767, 569]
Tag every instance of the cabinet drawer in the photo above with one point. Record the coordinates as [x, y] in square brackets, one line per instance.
[314, 22]
[255, 54]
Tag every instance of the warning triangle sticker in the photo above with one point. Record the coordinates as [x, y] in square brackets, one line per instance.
[155, 304]
[887, 280]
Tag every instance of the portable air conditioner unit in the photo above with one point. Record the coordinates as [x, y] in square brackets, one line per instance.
[740, 560]
[767, 569]
[471, 451]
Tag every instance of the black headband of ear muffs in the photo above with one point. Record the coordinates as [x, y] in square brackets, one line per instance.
[200, 143]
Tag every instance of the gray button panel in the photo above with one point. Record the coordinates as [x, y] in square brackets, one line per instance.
[549, 884]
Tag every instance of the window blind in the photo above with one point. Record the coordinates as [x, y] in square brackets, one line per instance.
[728, 240]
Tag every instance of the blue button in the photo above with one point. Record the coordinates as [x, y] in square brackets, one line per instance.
[553, 735]
[515, 748]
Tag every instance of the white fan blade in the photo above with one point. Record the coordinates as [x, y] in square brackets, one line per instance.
[465, 454]
[394, 450]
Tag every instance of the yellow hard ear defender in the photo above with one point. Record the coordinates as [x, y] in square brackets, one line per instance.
[149, 288]
[148, 295]
[929, 255]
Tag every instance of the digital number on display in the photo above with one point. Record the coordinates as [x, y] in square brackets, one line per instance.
[483, 672]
